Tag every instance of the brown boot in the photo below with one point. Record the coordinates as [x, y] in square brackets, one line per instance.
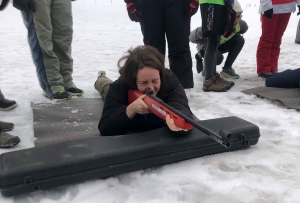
[213, 85]
[227, 83]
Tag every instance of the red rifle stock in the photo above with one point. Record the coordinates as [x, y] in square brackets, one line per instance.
[161, 109]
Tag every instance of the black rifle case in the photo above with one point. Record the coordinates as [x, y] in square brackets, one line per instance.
[45, 167]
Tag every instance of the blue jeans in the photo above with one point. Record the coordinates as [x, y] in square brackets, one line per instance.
[286, 79]
[36, 52]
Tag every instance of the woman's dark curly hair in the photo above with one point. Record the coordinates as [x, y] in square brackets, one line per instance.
[138, 58]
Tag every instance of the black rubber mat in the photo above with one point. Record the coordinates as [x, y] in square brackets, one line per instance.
[68, 120]
[290, 97]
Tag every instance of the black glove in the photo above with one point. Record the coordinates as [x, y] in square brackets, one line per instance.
[24, 5]
[191, 7]
[298, 11]
[133, 11]
[269, 13]
[199, 64]
[3, 4]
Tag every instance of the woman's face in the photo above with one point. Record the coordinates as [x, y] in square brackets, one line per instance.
[148, 78]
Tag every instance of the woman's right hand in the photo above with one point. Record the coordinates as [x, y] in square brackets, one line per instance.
[138, 106]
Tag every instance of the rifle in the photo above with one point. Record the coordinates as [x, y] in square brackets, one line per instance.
[161, 109]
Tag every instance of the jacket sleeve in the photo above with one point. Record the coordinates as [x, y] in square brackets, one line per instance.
[243, 27]
[265, 5]
[114, 120]
[196, 37]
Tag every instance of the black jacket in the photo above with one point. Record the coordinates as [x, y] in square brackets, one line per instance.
[114, 120]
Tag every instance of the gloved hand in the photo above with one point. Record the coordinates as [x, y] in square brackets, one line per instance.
[24, 5]
[298, 11]
[191, 7]
[269, 13]
[133, 12]
[3, 4]
[229, 1]
[199, 60]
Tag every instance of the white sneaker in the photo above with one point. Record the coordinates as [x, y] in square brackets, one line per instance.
[101, 73]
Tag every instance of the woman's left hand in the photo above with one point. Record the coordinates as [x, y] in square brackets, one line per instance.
[171, 124]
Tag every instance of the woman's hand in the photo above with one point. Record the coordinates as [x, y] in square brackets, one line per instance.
[172, 126]
[138, 106]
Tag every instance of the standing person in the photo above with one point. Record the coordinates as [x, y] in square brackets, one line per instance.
[143, 68]
[161, 19]
[232, 44]
[50, 33]
[275, 16]
[216, 15]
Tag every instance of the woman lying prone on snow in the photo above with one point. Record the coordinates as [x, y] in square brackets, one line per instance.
[143, 68]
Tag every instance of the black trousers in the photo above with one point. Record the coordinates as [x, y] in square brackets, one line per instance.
[233, 46]
[164, 19]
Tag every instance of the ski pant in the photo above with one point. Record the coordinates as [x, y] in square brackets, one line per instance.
[1, 95]
[53, 24]
[165, 19]
[286, 79]
[212, 27]
[297, 40]
[233, 46]
[268, 48]
[102, 85]
[36, 52]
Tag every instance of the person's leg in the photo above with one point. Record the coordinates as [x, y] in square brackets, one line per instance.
[233, 47]
[285, 79]
[283, 20]
[36, 52]
[152, 25]
[297, 40]
[210, 55]
[220, 57]
[177, 26]
[62, 24]
[44, 31]
[102, 84]
[263, 53]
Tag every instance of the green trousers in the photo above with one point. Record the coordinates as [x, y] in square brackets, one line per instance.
[53, 22]
[102, 85]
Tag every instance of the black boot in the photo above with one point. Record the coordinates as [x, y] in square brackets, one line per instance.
[6, 104]
[199, 60]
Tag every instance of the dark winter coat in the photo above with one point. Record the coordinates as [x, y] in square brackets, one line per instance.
[114, 120]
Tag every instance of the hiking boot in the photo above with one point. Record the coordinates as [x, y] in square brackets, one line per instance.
[265, 75]
[5, 126]
[101, 73]
[7, 140]
[229, 73]
[199, 64]
[74, 91]
[224, 82]
[6, 104]
[214, 85]
[61, 95]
